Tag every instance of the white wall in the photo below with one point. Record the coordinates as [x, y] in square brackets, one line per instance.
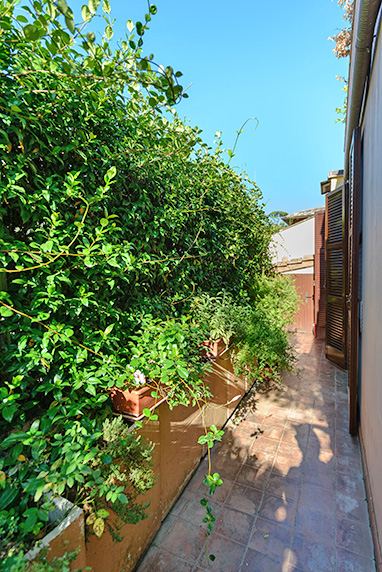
[371, 339]
[294, 241]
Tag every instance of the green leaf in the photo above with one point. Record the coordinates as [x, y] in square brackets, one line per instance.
[5, 312]
[7, 497]
[13, 438]
[106, 459]
[106, 6]
[139, 27]
[153, 9]
[62, 6]
[130, 26]
[123, 498]
[93, 5]
[102, 513]
[183, 372]
[31, 32]
[212, 557]
[98, 527]
[70, 24]
[85, 13]
[38, 447]
[109, 329]
[109, 32]
[8, 412]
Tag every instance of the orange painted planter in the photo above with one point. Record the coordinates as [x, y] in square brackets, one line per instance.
[135, 401]
[214, 348]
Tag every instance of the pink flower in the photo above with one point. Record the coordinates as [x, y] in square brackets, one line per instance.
[139, 377]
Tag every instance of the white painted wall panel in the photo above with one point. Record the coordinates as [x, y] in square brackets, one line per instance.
[371, 340]
[294, 241]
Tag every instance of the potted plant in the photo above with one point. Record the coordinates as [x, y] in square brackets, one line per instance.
[132, 402]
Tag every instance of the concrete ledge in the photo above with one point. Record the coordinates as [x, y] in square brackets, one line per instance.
[67, 516]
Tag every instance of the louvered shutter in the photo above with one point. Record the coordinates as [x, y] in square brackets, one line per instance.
[335, 247]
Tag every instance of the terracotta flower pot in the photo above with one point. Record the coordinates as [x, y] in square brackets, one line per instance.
[135, 401]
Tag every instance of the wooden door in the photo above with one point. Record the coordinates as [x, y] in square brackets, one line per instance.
[304, 318]
[354, 244]
[336, 257]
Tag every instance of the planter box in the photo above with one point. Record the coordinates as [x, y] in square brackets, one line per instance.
[214, 348]
[132, 403]
[67, 536]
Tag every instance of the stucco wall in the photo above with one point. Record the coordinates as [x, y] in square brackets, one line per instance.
[294, 242]
[371, 338]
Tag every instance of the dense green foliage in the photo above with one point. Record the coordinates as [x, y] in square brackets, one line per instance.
[113, 217]
[256, 325]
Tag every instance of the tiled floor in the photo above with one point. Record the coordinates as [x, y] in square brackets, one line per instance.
[293, 497]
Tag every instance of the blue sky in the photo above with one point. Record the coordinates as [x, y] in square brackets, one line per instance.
[270, 60]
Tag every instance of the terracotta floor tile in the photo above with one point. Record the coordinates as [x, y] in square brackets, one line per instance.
[220, 493]
[198, 477]
[296, 434]
[280, 412]
[259, 459]
[348, 448]
[234, 524]
[194, 512]
[262, 443]
[165, 528]
[321, 460]
[226, 467]
[271, 538]
[323, 476]
[317, 524]
[354, 536]
[276, 509]
[163, 561]
[238, 439]
[321, 437]
[272, 432]
[274, 421]
[293, 451]
[318, 498]
[253, 477]
[311, 556]
[352, 486]
[282, 487]
[288, 467]
[352, 508]
[181, 502]
[228, 554]
[185, 540]
[245, 499]
[300, 415]
[349, 466]
[351, 562]
[255, 561]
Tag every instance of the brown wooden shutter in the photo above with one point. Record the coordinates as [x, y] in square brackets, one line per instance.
[319, 275]
[335, 253]
[354, 217]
